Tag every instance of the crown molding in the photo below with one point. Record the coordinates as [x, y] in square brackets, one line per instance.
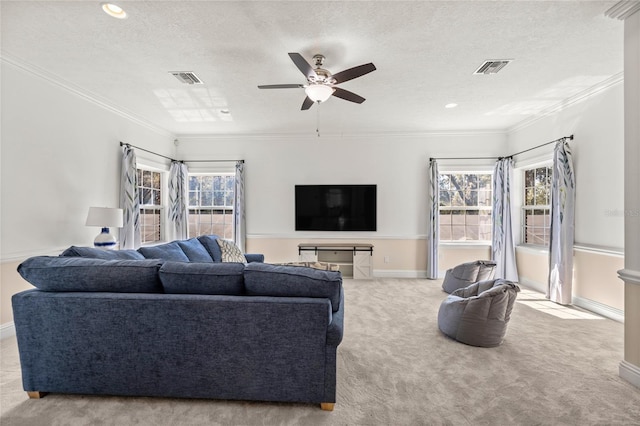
[298, 136]
[570, 101]
[563, 104]
[82, 93]
[623, 9]
[97, 100]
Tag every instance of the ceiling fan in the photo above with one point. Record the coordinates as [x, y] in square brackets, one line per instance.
[321, 84]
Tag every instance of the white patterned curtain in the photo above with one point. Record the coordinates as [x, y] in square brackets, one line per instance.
[562, 225]
[433, 236]
[129, 201]
[503, 250]
[239, 221]
[178, 214]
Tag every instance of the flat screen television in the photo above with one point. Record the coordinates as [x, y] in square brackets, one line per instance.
[335, 207]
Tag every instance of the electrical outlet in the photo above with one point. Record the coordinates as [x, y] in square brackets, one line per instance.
[387, 259]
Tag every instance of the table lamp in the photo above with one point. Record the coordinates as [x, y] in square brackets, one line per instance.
[105, 217]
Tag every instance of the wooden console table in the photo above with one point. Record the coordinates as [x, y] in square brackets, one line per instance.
[355, 260]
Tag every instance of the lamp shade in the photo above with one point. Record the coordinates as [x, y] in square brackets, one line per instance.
[319, 92]
[105, 217]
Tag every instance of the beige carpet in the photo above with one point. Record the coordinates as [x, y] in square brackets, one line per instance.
[556, 367]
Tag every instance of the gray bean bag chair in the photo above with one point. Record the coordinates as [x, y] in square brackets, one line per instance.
[468, 273]
[478, 314]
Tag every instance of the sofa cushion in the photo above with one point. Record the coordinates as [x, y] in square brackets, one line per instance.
[230, 251]
[168, 251]
[195, 251]
[202, 278]
[96, 253]
[210, 242]
[60, 273]
[264, 279]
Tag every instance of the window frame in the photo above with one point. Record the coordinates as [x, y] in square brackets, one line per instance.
[524, 208]
[159, 208]
[487, 209]
[223, 210]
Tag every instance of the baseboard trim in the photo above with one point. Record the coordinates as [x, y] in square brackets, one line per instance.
[532, 285]
[7, 330]
[599, 308]
[630, 373]
[398, 273]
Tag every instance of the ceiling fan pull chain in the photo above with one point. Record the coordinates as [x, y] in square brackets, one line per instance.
[318, 120]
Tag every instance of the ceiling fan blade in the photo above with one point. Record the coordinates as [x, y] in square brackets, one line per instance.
[347, 95]
[281, 86]
[302, 64]
[308, 103]
[354, 72]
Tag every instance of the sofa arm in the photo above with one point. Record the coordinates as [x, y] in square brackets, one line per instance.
[254, 257]
[336, 327]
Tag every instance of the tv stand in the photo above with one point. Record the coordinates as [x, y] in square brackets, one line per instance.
[354, 260]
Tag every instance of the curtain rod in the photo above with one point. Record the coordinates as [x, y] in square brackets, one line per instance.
[547, 143]
[209, 161]
[181, 161]
[464, 158]
[146, 150]
[500, 158]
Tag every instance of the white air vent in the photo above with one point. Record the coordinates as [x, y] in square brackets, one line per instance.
[492, 66]
[187, 77]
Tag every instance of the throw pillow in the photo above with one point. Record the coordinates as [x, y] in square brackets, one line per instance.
[230, 252]
[195, 251]
[168, 251]
[210, 243]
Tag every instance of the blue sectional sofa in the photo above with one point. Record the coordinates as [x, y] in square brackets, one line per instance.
[115, 323]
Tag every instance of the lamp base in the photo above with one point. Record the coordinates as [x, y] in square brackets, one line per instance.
[105, 240]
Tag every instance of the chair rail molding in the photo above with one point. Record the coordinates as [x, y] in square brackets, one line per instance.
[629, 276]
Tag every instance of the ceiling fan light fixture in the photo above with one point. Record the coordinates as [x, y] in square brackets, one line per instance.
[319, 92]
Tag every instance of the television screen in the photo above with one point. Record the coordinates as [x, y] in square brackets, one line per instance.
[335, 207]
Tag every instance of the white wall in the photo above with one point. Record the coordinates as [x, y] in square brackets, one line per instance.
[398, 165]
[597, 124]
[60, 155]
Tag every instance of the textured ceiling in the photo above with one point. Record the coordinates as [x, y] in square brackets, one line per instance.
[425, 53]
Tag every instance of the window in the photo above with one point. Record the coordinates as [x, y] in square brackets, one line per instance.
[211, 198]
[150, 199]
[536, 221]
[465, 206]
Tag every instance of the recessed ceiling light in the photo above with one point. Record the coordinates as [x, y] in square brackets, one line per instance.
[114, 10]
[451, 105]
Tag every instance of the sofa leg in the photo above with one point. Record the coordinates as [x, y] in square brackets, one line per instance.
[327, 406]
[36, 394]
